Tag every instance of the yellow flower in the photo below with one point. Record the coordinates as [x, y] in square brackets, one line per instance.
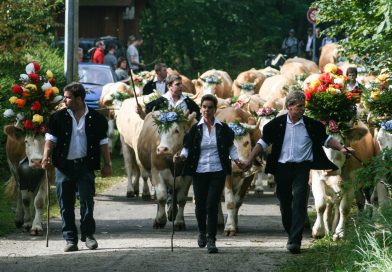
[55, 90]
[31, 87]
[331, 90]
[12, 99]
[49, 74]
[315, 83]
[375, 95]
[382, 77]
[38, 118]
[330, 68]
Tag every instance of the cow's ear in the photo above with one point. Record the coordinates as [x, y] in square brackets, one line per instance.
[191, 119]
[13, 132]
[252, 121]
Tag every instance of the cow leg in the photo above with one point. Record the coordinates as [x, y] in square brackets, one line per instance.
[146, 195]
[161, 191]
[27, 198]
[327, 217]
[182, 189]
[259, 187]
[344, 210]
[39, 204]
[128, 162]
[19, 210]
[318, 189]
[382, 195]
[230, 227]
[110, 135]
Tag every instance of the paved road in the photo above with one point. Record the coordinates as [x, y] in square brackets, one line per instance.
[127, 241]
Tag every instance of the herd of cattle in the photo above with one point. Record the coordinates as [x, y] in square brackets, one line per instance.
[148, 152]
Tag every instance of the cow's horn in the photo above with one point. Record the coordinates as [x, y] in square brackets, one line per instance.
[247, 126]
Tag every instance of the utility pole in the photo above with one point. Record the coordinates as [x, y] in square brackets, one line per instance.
[71, 40]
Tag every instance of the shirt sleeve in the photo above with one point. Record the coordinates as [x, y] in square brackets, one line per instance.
[50, 137]
[263, 144]
[104, 141]
[234, 153]
[184, 152]
[327, 141]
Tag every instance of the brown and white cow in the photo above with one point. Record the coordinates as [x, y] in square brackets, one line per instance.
[273, 91]
[237, 186]
[327, 187]
[329, 54]
[24, 155]
[248, 82]
[214, 82]
[155, 150]
[310, 66]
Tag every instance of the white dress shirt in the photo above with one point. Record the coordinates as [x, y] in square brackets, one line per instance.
[160, 86]
[297, 144]
[78, 144]
[308, 44]
[180, 104]
[209, 156]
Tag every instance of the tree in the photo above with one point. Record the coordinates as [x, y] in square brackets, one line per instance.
[367, 26]
[196, 35]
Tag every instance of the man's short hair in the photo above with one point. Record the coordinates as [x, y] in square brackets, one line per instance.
[76, 89]
[294, 97]
[352, 70]
[210, 97]
[159, 66]
[171, 78]
[111, 46]
[98, 43]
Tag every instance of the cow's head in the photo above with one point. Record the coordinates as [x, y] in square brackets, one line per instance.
[172, 136]
[208, 84]
[242, 139]
[384, 139]
[337, 157]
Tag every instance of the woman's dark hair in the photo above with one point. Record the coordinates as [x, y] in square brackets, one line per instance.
[120, 59]
[352, 70]
[210, 97]
[76, 89]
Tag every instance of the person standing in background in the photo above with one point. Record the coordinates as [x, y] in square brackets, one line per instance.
[121, 70]
[290, 45]
[99, 53]
[134, 42]
[110, 58]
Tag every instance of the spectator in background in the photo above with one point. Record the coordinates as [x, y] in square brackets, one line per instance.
[290, 45]
[110, 58]
[134, 42]
[309, 44]
[99, 53]
[80, 54]
[328, 40]
[121, 70]
[158, 82]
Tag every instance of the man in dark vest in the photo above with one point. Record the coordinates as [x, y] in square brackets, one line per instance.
[158, 83]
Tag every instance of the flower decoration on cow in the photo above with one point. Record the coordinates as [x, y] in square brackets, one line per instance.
[268, 112]
[212, 80]
[247, 87]
[32, 99]
[165, 118]
[328, 100]
[377, 97]
[239, 129]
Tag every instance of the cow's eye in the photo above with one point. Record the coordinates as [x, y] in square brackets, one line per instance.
[176, 131]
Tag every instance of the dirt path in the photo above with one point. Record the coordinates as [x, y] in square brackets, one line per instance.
[127, 241]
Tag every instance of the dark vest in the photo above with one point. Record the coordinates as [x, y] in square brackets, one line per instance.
[60, 126]
[162, 103]
[150, 87]
[273, 133]
[192, 141]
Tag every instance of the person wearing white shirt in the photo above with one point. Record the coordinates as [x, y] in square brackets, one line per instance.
[297, 146]
[208, 148]
[158, 83]
[76, 136]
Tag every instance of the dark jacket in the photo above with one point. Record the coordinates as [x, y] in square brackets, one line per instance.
[60, 126]
[162, 103]
[273, 133]
[150, 87]
[192, 141]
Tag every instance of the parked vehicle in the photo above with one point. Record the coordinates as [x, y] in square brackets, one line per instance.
[84, 43]
[94, 77]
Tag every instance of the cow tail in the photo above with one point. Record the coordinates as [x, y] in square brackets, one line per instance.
[11, 188]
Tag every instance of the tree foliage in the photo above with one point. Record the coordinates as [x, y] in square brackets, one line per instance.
[367, 26]
[196, 35]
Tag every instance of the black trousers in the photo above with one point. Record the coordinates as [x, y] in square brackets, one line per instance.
[292, 191]
[208, 189]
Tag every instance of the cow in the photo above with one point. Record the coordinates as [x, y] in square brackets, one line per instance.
[293, 69]
[273, 91]
[24, 155]
[187, 84]
[248, 82]
[329, 54]
[310, 66]
[237, 185]
[214, 82]
[156, 148]
[327, 187]
[269, 71]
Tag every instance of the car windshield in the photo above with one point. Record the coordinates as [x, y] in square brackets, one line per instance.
[94, 75]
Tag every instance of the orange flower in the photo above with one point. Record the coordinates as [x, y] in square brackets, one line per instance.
[48, 93]
[20, 103]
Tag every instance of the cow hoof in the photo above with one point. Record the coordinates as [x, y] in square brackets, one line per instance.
[259, 193]
[159, 225]
[130, 194]
[179, 226]
[170, 214]
[146, 197]
[230, 233]
[137, 193]
[18, 224]
[36, 232]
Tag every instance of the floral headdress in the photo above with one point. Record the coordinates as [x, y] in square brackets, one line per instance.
[33, 98]
[387, 126]
[328, 100]
[121, 96]
[212, 79]
[267, 111]
[166, 118]
[238, 129]
[377, 96]
[247, 86]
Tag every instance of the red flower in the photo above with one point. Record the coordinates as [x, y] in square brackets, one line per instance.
[28, 124]
[326, 78]
[17, 89]
[308, 94]
[34, 77]
[333, 126]
[52, 81]
[339, 71]
[36, 66]
[349, 96]
[36, 106]
[322, 88]
[337, 86]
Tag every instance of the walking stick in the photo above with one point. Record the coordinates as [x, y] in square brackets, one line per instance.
[355, 156]
[48, 208]
[174, 204]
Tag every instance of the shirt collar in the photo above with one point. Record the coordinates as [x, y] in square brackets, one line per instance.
[85, 111]
[168, 96]
[301, 121]
[216, 121]
[156, 80]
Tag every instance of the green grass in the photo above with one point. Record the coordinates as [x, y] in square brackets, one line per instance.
[366, 247]
[7, 206]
